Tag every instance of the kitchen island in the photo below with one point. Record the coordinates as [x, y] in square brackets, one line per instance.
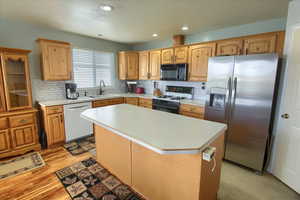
[159, 154]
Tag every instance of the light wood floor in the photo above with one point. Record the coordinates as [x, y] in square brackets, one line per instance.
[41, 183]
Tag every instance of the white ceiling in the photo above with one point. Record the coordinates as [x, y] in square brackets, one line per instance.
[134, 21]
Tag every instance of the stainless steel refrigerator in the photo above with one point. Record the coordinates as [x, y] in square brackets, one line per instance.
[241, 94]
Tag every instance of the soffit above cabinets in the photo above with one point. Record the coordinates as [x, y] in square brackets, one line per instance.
[133, 21]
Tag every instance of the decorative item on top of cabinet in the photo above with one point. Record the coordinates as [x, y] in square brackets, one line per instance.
[198, 61]
[230, 47]
[128, 65]
[155, 61]
[16, 80]
[192, 111]
[54, 125]
[56, 61]
[144, 72]
[132, 100]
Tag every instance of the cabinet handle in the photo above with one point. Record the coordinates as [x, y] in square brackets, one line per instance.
[23, 121]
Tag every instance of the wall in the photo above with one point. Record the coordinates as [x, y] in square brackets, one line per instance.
[235, 31]
[22, 35]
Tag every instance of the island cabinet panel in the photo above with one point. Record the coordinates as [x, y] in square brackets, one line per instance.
[198, 61]
[114, 153]
[154, 65]
[144, 65]
[167, 56]
[229, 47]
[132, 100]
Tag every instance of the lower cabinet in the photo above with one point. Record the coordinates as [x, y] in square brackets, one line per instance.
[18, 133]
[146, 103]
[56, 133]
[132, 100]
[4, 141]
[192, 111]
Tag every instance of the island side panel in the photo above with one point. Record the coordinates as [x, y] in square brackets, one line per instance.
[210, 180]
[162, 177]
[114, 153]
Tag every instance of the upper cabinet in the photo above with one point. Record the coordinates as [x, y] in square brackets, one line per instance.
[16, 81]
[198, 61]
[174, 55]
[56, 60]
[230, 47]
[128, 65]
[154, 64]
[260, 44]
[144, 71]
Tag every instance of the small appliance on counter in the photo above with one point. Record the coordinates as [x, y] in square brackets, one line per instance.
[156, 90]
[71, 92]
[140, 90]
[131, 86]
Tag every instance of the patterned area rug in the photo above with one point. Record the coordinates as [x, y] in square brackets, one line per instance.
[88, 180]
[81, 145]
[20, 165]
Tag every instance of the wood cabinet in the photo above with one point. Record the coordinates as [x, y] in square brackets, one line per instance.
[167, 56]
[145, 102]
[4, 141]
[128, 65]
[2, 95]
[144, 72]
[132, 100]
[230, 47]
[198, 61]
[260, 44]
[56, 61]
[107, 102]
[23, 136]
[174, 55]
[192, 111]
[154, 64]
[54, 125]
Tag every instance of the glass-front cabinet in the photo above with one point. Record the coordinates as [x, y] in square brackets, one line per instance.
[16, 81]
[2, 96]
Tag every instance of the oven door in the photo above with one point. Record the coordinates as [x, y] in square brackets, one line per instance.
[169, 72]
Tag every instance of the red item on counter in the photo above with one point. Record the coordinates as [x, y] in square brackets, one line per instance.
[139, 90]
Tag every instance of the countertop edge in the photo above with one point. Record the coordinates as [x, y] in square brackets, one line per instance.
[155, 149]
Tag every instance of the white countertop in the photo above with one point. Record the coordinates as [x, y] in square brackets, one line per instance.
[162, 132]
[109, 96]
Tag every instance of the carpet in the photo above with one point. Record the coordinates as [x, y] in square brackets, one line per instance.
[88, 180]
[20, 165]
[81, 145]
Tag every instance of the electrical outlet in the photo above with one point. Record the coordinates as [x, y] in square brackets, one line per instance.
[208, 153]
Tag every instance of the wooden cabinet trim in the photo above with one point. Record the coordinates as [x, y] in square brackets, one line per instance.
[5, 145]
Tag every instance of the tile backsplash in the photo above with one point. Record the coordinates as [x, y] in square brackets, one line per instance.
[199, 92]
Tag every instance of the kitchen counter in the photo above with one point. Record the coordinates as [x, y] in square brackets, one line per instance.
[109, 96]
[162, 132]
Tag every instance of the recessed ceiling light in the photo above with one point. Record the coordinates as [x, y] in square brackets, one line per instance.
[106, 8]
[185, 28]
[154, 35]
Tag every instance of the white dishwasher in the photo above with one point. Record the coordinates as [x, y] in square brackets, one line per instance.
[75, 126]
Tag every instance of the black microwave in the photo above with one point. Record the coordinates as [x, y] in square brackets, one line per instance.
[173, 72]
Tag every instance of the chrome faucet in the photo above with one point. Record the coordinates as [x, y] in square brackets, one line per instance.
[102, 84]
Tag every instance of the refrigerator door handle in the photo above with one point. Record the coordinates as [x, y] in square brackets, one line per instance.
[228, 100]
[234, 93]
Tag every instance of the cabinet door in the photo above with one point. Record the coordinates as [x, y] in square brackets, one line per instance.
[57, 62]
[181, 54]
[144, 65]
[229, 47]
[4, 141]
[132, 59]
[132, 100]
[23, 136]
[56, 129]
[198, 61]
[260, 44]
[122, 66]
[16, 82]
[155, 57]
[2, 96]
[167, 56]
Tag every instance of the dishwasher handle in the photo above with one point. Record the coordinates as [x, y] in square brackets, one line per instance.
[77, 107]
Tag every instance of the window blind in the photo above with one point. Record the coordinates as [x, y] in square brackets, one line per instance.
[92, 66]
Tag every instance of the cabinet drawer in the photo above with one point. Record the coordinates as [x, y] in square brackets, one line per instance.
[21, 120]
[54, 109]
[100, 103]
[191, 108]
[3, 123]
[115, 101]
